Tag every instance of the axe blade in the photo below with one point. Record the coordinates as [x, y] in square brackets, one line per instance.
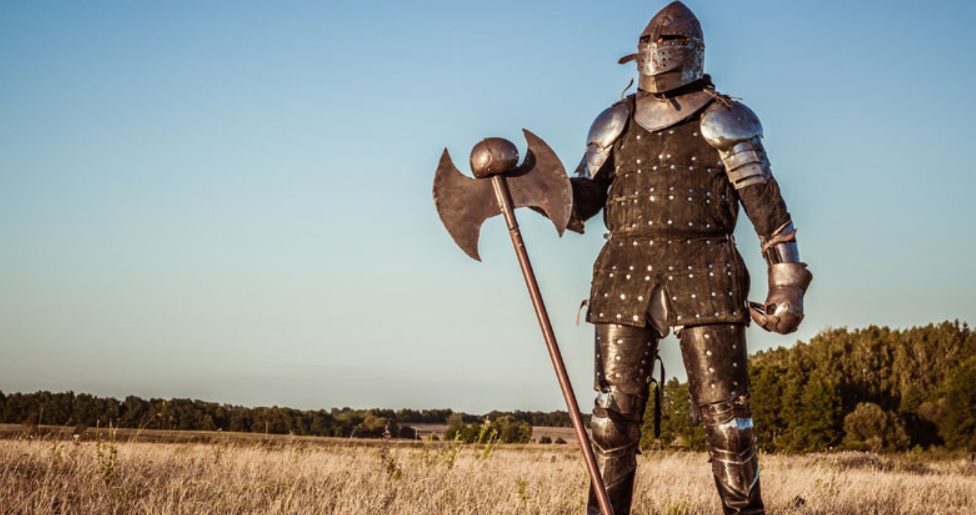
[541, 182]
[463, 204]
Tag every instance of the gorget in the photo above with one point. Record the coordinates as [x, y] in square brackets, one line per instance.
[655, 113]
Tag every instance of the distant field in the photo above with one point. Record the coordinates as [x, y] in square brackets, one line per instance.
[566, 433]
[220, 473]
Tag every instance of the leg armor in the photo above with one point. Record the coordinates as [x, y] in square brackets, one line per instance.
[716, 360]
[624, 361]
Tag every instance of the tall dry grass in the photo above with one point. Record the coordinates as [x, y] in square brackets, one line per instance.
[342, 477]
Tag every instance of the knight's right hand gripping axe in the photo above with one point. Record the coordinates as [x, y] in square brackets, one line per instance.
[540, 182]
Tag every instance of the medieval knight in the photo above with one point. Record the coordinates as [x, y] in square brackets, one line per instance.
[669, 166]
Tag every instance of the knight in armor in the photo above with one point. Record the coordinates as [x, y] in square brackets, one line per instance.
[669, 167]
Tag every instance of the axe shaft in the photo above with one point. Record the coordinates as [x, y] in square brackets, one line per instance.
[504, 198]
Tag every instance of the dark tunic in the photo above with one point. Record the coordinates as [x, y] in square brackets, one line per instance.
[671, 212]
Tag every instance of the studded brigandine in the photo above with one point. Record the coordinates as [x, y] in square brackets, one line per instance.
[671, 212]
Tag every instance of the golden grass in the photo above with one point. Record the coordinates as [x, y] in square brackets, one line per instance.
[297, 477]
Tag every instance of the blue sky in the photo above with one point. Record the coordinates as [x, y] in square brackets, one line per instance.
[231, 201]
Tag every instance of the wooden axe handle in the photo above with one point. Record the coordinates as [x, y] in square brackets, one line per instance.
[504, 198]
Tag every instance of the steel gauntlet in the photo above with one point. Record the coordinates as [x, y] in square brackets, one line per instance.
[788, 281]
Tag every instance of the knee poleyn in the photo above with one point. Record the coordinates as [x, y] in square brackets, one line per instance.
[616, 421]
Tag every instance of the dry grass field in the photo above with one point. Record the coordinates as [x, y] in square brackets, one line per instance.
[297, 476]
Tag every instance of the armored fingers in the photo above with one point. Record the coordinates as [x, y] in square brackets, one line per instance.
[734, 130]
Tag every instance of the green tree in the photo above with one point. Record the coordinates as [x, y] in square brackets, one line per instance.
[766, 373]
[959, 422]
[869, 427]
[815, 426]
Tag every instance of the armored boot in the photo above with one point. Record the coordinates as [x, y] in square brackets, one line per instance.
[624, 360]
[716, 360]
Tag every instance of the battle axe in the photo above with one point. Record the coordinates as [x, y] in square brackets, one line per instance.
[501, 185]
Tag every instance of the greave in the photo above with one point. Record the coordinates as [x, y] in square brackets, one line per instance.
[624, 360]
[732, 451]
[716, 361]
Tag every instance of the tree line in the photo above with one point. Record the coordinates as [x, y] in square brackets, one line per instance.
[81, 411]
[874, 389]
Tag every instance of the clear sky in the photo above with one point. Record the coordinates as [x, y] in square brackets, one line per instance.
[231, 201]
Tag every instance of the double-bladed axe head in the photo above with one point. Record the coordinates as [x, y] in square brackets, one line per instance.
[464, 203]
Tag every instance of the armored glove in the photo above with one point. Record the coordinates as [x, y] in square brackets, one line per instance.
[783, 310]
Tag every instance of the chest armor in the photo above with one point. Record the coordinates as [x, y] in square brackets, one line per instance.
[669, 183]
[671, 211]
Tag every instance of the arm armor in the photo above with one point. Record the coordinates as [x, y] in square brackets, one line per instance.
[734, 130]
[788, 282]
[607, 127]
[594, 172]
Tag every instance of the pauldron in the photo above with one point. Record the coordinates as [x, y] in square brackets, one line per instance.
[734, 130]
[607, 127]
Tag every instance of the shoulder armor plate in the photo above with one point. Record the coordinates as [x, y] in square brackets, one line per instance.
[723, 127]
[609, 125]
[734, 130]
